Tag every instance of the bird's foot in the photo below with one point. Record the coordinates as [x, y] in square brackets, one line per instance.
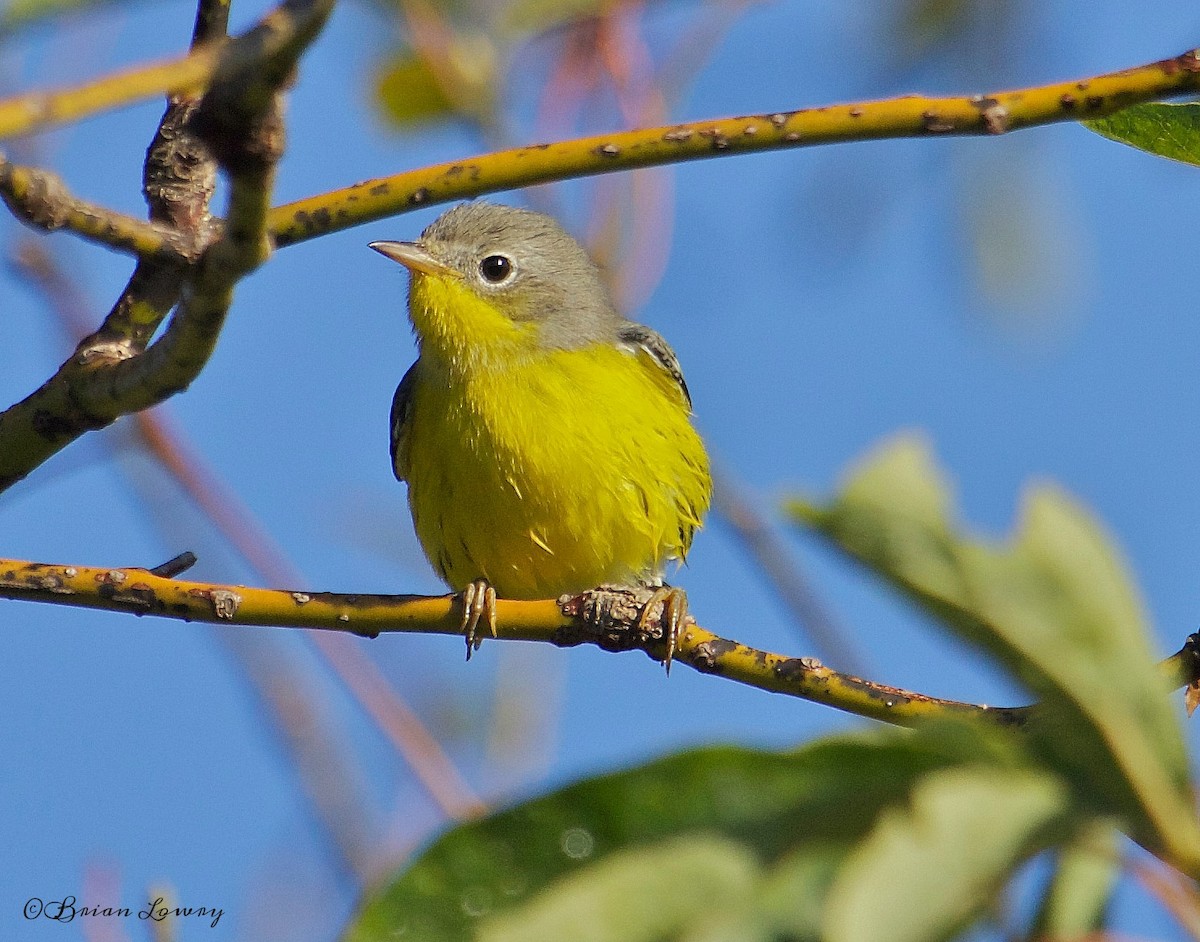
[478, 603]
[674, 616]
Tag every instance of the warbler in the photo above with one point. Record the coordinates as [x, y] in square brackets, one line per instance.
[546, 440]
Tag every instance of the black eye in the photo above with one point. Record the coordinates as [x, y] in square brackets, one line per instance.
[495, 268]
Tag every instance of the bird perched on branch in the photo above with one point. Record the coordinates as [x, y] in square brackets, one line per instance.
[546, 439]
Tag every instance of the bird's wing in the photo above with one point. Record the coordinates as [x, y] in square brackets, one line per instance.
[640, 337]
[401, 414]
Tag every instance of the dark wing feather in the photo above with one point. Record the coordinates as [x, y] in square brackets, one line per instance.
[401, 414]
[640, 336]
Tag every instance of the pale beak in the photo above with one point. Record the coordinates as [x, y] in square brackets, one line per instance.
[413, 256]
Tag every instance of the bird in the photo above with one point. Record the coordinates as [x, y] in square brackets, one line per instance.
[546, 440]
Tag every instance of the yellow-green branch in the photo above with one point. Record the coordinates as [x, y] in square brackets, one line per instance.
[38, 110]
[908, 116]
[188, 74]
[607, 618]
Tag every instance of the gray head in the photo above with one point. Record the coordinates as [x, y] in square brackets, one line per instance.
[525, 264]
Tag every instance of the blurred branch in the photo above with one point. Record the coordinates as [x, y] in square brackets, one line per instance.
[411, 739]
[281, 35]
[212, 21]
[608, 618]
[36, 111]
[778, 565]
[398, 722]
[1177, 893]
[180, 176]
[908, 116]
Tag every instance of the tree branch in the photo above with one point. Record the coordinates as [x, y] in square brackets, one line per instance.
[907, 116]
[608, 618]
[110, 374]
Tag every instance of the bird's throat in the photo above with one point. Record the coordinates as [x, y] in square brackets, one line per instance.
[461, 329]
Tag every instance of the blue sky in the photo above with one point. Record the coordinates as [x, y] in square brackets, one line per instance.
[1026, 302]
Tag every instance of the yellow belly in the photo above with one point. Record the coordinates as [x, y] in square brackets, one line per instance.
[560, 473]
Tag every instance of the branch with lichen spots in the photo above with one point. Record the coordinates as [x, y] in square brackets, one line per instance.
[907, 116]
[608, 618]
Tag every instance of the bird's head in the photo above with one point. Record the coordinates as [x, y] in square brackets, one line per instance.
[489, 279]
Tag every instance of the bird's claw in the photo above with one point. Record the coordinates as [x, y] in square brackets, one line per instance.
[674, 616]
[478, 602]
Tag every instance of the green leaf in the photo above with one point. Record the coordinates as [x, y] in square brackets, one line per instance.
[928, 869]
[1076, 901]
[409, 93]
[1171, 131]
[1055, 607]
[674, 843]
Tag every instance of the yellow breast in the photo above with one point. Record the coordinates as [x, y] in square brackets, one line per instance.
[555, 472]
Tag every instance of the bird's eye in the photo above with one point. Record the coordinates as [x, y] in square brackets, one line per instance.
[495, 268]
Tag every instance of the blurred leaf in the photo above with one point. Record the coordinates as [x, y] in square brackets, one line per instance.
[1057, 609]
[673, 842]
[947, 34]
[409, 93]
[1171, 131]
[1075, 904]
[639, 893]
[27, 11]
[1017, 226]
[917, 27]
[457, 76]
[791, 901]
[928, 869]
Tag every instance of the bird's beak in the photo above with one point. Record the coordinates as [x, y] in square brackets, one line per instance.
[413, 256]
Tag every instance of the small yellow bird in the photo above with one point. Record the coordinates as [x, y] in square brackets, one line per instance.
[546, 440]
